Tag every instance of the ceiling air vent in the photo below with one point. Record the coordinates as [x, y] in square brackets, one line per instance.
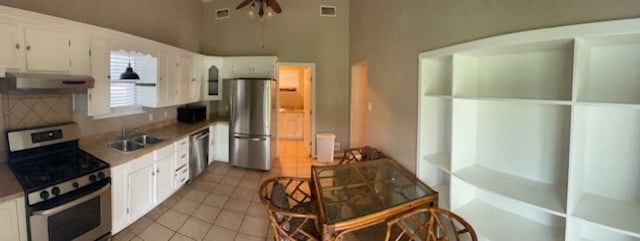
[327, 11]
[223, 13]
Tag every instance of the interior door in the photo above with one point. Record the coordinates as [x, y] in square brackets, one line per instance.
[306, 120]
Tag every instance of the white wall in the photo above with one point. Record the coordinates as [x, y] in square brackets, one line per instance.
[389, 37]
[298, 35]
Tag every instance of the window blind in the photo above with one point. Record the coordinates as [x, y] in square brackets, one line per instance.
[123, 92]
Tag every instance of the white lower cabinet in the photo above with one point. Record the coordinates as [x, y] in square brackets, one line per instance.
[142, 184]
[181, 165]
[290, 126]
[141, 192]
[13, 225]
[164, 173]
[221, 141]
[212, 141]
[119, 198]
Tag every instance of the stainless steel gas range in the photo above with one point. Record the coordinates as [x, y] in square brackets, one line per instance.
[68, 191]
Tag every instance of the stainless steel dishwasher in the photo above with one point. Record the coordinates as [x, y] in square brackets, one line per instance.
[198, 153]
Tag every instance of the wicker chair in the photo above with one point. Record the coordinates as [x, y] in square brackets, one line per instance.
[293, 216]
[429, 224]
[358, 154]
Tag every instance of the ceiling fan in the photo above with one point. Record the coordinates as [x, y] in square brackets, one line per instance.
[262, 6]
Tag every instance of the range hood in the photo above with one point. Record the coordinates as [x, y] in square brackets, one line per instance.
[48, 83]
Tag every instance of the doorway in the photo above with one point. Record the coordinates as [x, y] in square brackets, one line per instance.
[358, 105]
[296, 122]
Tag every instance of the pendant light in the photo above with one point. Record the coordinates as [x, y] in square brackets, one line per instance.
[129, 73]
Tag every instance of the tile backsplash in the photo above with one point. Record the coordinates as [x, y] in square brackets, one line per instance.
[25, 111]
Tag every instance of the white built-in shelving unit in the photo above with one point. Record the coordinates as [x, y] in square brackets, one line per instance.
[536, 135]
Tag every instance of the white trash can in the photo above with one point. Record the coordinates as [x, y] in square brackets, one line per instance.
[325, 146]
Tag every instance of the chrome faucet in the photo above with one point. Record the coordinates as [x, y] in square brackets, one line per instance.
[128, 133]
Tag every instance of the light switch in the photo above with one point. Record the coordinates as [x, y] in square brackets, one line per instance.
[369, 106]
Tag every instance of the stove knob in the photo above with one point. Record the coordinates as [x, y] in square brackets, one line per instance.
[92, 178]
[55, 191]
[101, 175]
[44, 195]
[75, 185]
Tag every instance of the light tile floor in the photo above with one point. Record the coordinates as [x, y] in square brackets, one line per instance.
[222, 204]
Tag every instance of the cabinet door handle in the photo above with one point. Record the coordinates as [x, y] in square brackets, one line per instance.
[158, 171]
[18, 46]
[28, 47]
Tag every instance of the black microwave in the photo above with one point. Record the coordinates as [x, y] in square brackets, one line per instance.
[192, 113]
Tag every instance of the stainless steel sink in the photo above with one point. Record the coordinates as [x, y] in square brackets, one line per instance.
[146, 139]
[125, 145]
[134, 143]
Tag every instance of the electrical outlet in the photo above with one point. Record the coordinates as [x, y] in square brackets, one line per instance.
[165, 114]
[150, 116]
[336, 146]
[370, 106]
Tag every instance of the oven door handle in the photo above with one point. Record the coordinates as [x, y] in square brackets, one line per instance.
[68, 205]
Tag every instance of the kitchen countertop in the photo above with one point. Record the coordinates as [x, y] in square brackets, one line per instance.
[11, 188]
[171, 133]
[96, 145]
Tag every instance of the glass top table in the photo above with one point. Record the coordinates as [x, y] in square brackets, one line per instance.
[359, 195]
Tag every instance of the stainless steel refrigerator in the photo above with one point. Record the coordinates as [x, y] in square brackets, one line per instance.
[252, 122]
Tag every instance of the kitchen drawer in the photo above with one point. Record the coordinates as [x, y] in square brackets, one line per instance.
[182, 176]
[182, 158]
[141, 162]
[182, 144]
[165, 151]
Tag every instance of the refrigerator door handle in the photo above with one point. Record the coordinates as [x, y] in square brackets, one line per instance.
[250, 138]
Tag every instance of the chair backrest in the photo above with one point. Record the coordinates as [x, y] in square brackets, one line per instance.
[296, 219]
[430, 224]
[353, 155]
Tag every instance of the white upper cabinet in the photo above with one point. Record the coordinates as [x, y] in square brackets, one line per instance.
[185, 72]
[11, 46]
[47, 50]
[80, 54]
[212, 68]
[196, 78]
[162, 90]
[99, 95]
[249, 67]
[172, 80]
[40, 49]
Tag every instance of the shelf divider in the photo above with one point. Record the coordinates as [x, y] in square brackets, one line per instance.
[441, 160]
[498, 225]
[618, 215]
[543, 196]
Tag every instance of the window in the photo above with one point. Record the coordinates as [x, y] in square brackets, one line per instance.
[123, 92]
